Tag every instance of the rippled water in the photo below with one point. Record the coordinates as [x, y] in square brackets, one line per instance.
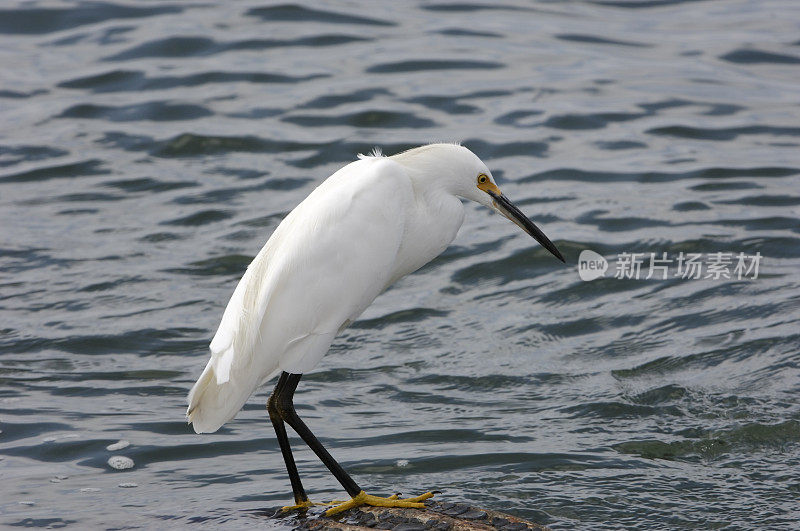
[148, 149]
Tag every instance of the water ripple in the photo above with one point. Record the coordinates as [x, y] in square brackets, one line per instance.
[203, 46]
[41, 20]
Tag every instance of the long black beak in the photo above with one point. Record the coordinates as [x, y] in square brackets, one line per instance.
[507, 208]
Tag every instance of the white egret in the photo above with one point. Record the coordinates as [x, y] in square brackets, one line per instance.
[366, 226]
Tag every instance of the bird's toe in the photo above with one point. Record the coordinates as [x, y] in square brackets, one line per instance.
[421, 497]
[376, 501]
[299, 506]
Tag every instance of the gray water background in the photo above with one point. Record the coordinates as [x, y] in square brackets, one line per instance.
[148, 150]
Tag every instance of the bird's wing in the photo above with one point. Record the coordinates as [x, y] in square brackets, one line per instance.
[325, 263]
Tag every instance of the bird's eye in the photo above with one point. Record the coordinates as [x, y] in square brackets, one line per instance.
[482, 178]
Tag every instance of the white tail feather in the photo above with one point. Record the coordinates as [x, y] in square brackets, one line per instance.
[211, 404]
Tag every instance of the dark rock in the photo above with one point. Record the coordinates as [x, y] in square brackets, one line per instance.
[473, 514]
[514, 526]
[500, 522]
[409, 527]
[439, 525]
[438, 516]
[456, 509]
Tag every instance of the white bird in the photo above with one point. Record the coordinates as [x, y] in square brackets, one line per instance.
[366, 226]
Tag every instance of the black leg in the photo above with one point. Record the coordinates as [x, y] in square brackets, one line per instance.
[283, 439]
[285, 408]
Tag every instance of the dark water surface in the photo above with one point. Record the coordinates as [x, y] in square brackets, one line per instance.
[148, 149]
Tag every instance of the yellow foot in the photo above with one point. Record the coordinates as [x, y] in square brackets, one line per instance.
[301, 506]
[376, 501]
[304, 506]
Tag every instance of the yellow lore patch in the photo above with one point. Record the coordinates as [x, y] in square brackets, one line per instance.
[486, 184]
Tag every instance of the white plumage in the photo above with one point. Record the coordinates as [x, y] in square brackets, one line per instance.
[369, 224]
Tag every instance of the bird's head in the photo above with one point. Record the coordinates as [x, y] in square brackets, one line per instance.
[465, 175]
